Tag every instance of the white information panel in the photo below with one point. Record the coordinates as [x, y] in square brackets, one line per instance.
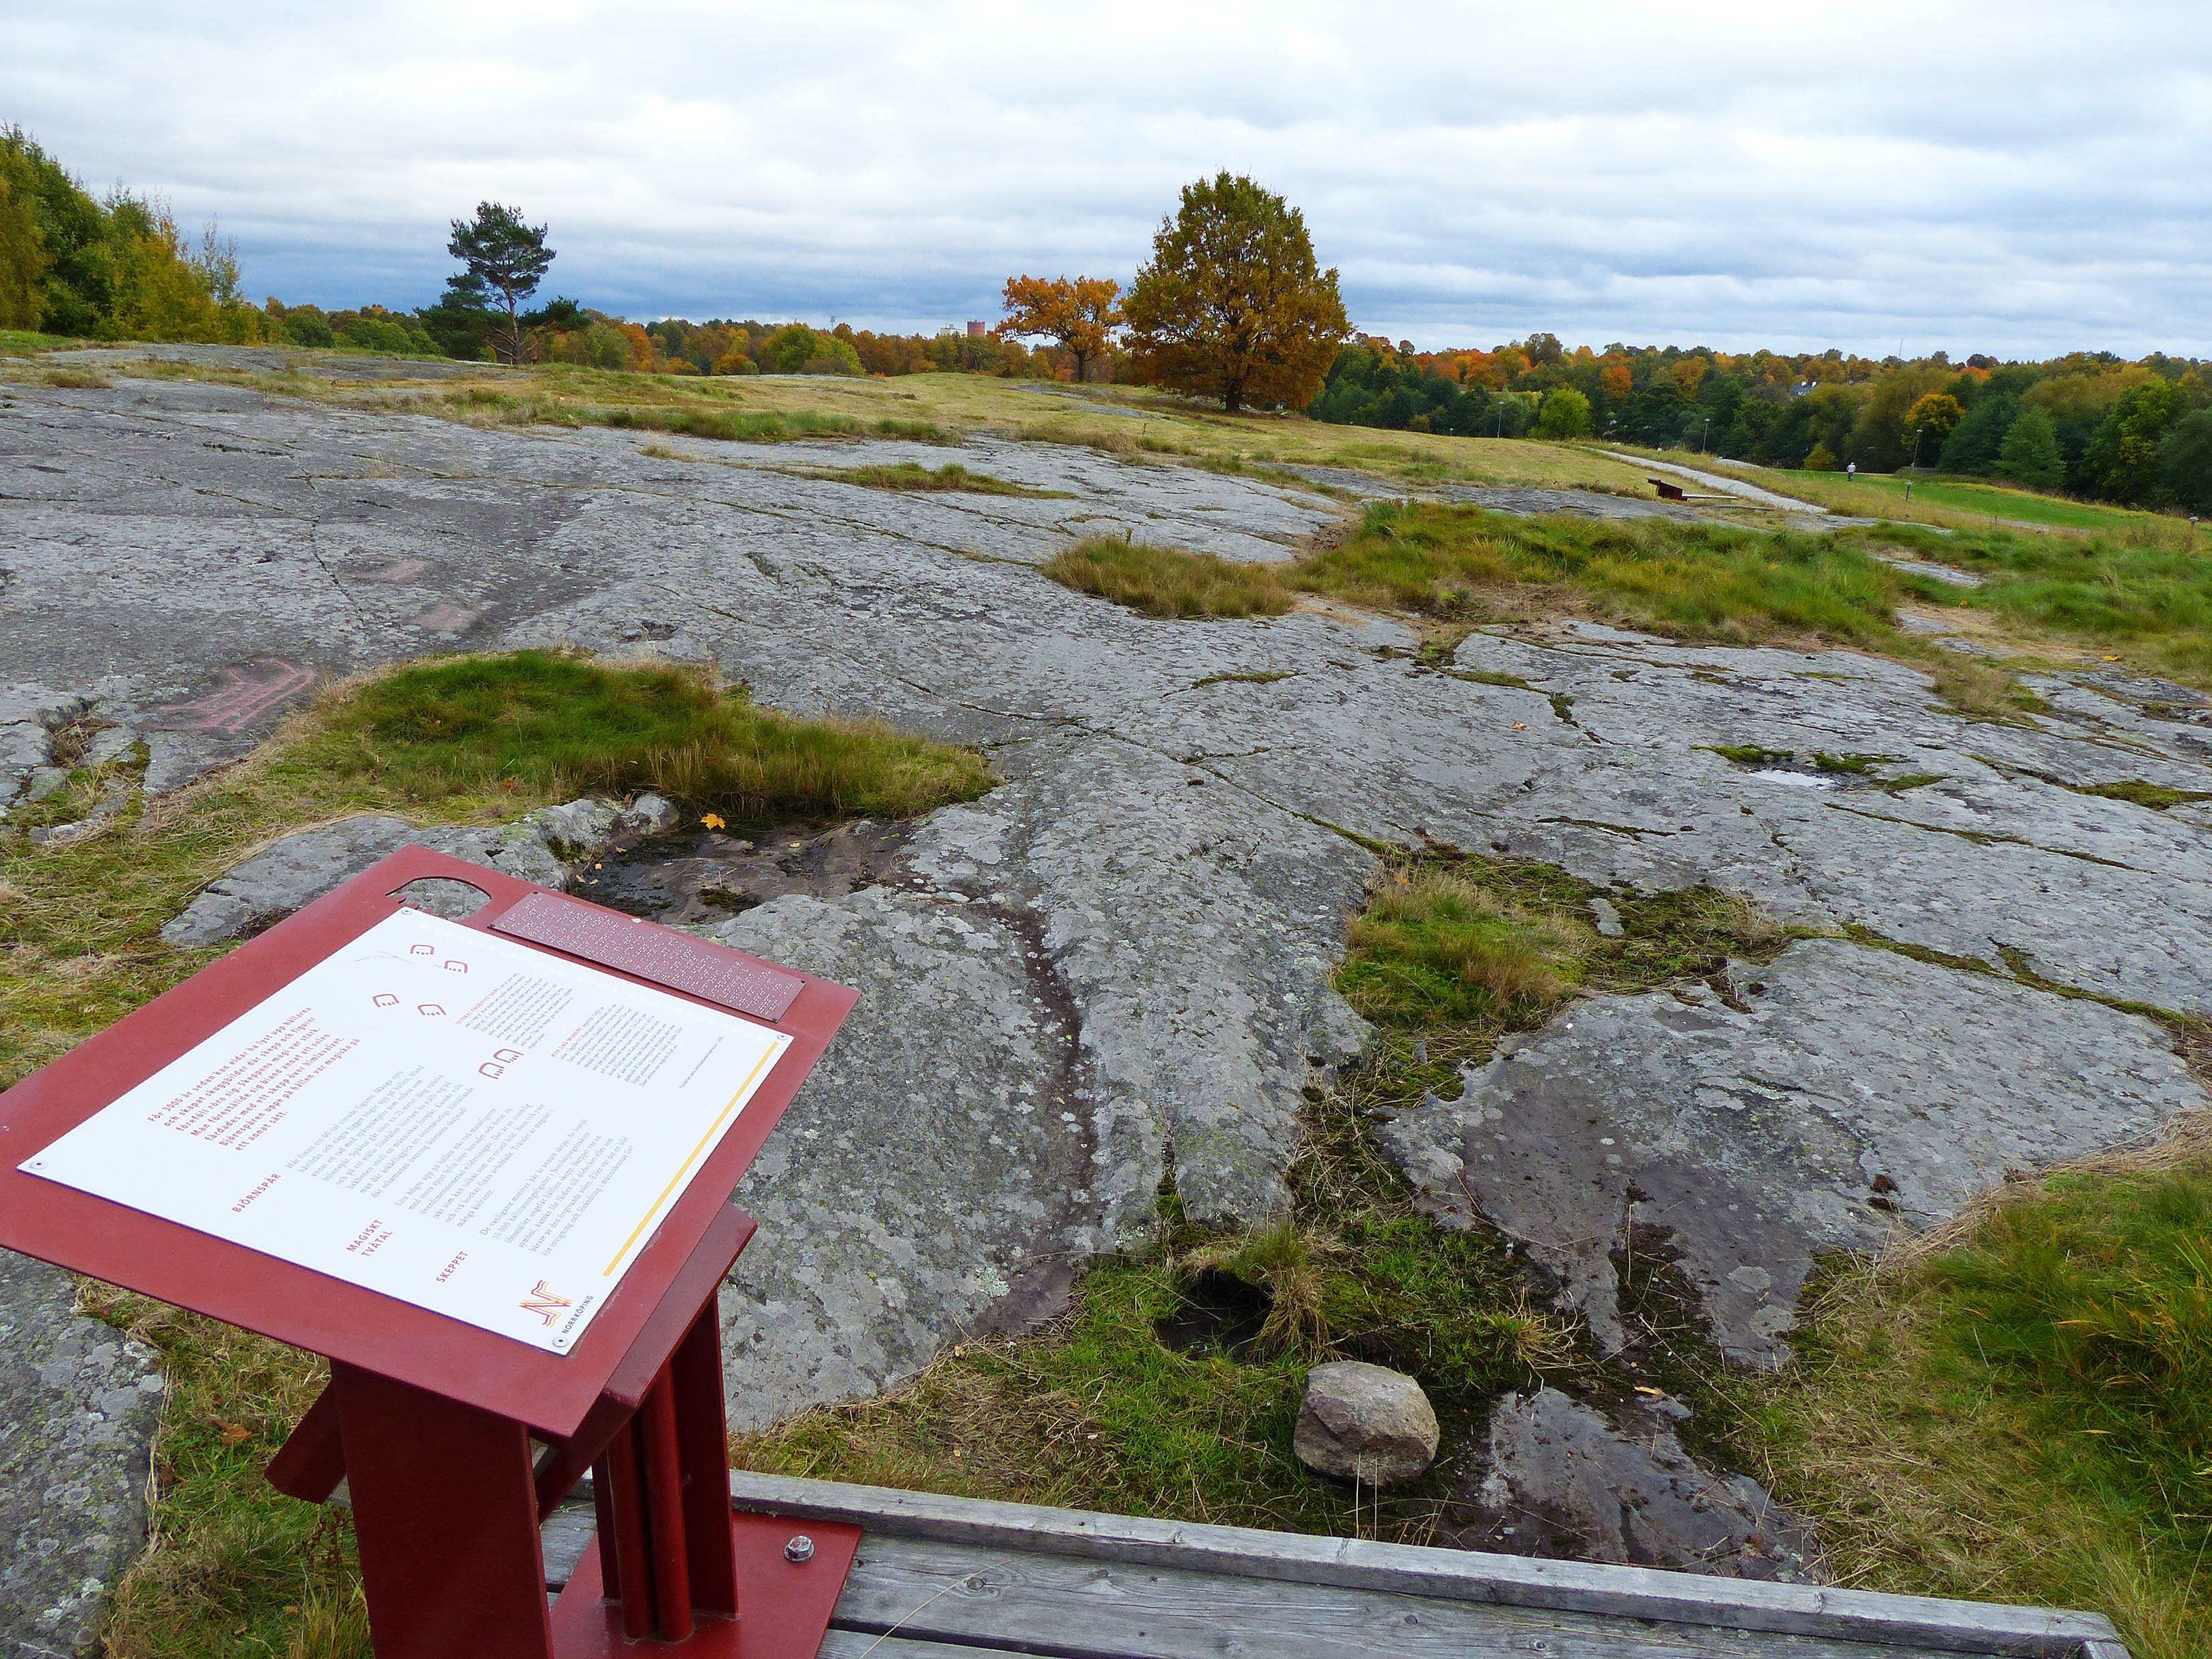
[442, 1115]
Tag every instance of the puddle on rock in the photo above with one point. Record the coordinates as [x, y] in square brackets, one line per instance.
[708, 875]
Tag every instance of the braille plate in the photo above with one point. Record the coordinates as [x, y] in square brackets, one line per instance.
[651, 951]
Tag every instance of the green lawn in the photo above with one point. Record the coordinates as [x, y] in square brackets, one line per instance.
[2023, 506]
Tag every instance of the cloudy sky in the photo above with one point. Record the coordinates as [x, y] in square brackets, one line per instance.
[2020, 177]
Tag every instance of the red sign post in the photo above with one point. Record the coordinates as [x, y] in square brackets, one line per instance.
[454, 1442]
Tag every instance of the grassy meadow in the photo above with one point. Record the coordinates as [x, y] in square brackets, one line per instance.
[1951, 502]
[1132, 422]
[2054, 599]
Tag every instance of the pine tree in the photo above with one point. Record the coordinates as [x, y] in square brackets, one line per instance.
[506, 260]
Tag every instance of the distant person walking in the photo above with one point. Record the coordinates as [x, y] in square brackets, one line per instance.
[1851, 470]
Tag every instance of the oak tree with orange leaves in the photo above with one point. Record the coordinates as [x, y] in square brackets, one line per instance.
[1232, 305]
[1077, 315]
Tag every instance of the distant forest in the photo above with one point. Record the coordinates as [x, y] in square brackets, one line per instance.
[2089, 424]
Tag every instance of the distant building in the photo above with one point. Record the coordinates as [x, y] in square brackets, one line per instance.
[976, 331]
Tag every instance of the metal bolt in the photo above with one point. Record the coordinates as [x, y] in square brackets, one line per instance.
[799, 1551]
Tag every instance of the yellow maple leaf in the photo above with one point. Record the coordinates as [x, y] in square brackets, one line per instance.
[713, 821]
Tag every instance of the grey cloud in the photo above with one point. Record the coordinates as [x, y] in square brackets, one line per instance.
[2021, 177]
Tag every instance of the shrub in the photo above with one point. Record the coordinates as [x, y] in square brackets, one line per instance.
[2030, 454]
[308, 327]
[1565, 413]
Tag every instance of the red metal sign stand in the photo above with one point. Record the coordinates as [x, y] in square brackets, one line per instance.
[455, 1443]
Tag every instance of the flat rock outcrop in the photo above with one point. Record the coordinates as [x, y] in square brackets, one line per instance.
[1556, 1477]
[941, 1172]
[548, 847]
[1149, 910]
[1836, 1095]
[78, 1405]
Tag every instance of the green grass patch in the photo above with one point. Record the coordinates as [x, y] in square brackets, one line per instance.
[2155, 796]
[237, 1571]
[1490, 677]
[2133, 594]
[1849, 764]
[559, 723]
[1707, 582]
[1461, 949]
[913, 476]
[2026, 1417]
[1435, 946]
[2002, 502]
[1748, 754]
[749, 426]
[1167, 581]
[1911, 781]
[1240, 679]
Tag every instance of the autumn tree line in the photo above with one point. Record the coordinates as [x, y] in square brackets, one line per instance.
[2089, 424]
[1232, 306]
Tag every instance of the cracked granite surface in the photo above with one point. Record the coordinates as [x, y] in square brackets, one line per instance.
[1154, 901]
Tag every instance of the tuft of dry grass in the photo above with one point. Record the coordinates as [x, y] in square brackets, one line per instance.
[1167, 581]
[2020, 1410]
[1288, 1263]
[1979, 690]
[1436, 944]
[951, 478]
[232, 1566]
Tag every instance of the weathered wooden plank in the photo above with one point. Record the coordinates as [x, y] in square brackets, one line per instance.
[1453, 1575]
[862, 1644]
[565, 1535]
[1073, 1608]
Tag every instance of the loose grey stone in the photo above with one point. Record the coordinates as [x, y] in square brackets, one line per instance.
[1364, 1423]
[653, 815]
[441, 895]
[546, 846]
[113, 744]
[1848, 1093]
[1608, 918]
[78, 1406]
[1556, 1477]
